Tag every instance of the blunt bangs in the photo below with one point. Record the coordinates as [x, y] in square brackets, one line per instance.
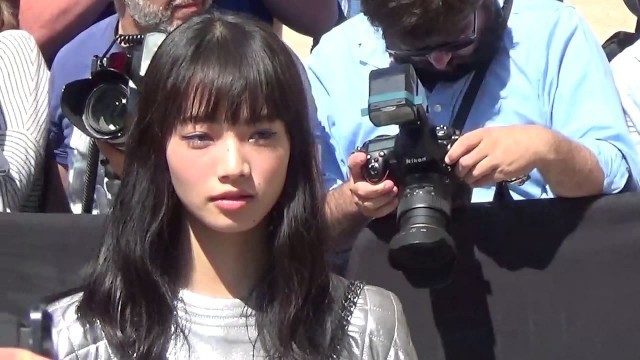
[228, 75]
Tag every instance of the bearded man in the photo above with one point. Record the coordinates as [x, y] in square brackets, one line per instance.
[73, 62]
[546, 122]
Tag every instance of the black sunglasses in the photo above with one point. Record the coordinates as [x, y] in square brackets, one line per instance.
[450, 47]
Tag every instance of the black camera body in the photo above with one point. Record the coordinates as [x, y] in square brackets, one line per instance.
[35, 332]
[414, 160]
[385, 161]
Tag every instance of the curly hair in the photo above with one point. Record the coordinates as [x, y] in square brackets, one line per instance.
[415, 20]
[8, 16]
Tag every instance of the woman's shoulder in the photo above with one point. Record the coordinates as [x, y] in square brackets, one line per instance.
[378, 328]
[63, 311]
[71, 338]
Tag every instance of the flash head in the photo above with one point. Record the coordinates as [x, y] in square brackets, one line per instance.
[395, 96]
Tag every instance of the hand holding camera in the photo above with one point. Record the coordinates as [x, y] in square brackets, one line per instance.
[487, 156]
[374, 200]
[114, 155]
[414, 163]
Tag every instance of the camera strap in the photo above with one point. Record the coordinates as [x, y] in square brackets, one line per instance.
[502, 189]
[469, 97]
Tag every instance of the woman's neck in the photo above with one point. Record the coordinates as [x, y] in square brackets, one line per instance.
[225, 265]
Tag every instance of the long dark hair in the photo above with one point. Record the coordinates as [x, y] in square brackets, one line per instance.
[213, 64]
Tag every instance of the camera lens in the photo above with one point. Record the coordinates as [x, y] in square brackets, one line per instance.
[422, 245]
[106, 110]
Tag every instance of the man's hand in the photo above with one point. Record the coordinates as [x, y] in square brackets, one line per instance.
[373, 201]
[114, 155]
[489, 155]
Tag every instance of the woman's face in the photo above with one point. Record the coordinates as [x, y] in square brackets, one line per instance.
[228, 177]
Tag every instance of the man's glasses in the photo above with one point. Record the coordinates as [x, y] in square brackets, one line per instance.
[449, 47]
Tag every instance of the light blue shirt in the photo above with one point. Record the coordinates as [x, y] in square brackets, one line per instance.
[550, 71]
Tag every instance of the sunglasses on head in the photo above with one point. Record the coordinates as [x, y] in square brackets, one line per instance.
[449, 47]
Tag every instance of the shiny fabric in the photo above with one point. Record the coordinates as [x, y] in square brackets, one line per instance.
[225, 329]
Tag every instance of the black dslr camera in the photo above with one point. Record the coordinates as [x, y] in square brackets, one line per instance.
[102, 105]
[414, 160]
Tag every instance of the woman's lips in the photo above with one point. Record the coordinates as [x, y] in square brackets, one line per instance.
[230, 202]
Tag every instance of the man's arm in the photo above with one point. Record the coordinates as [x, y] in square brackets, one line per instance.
[585, 107]
[308, 17]
[570, 169]
[493, 154]
[344, 218]
[54, 23]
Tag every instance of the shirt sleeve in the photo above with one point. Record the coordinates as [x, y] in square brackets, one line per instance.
[332, 172]
[584, 103]
[24, 101]
[57, 136]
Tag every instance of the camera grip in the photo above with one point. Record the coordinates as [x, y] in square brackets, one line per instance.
[375, 169]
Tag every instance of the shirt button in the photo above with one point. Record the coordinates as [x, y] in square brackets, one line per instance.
[437, 108]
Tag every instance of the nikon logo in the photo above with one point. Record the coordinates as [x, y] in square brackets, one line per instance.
[410, 161]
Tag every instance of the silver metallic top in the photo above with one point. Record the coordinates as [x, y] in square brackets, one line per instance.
[225, 329]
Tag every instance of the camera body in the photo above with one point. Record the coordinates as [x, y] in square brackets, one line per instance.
[35, 332]
[414, 160]
[103, 105]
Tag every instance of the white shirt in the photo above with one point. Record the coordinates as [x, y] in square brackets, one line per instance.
[24, 86]
[626, 72]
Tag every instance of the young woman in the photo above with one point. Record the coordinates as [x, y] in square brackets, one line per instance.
[215, 247]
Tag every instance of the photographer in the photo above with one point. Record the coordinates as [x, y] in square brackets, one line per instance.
[546, 112]
[73, 62]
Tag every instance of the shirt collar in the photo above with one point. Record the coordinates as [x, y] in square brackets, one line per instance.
[372, 49]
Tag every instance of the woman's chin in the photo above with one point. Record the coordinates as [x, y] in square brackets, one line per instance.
[230, 226]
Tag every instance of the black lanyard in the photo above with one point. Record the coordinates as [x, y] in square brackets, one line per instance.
[469, 97]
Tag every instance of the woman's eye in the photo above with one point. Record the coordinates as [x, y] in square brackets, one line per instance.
[197, 140]
[262, 135]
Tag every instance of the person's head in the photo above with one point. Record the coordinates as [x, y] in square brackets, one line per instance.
[164, 15]
[443, 39]
[222, 114]
[8, 16]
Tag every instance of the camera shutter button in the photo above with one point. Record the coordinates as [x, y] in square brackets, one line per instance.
[374, 168]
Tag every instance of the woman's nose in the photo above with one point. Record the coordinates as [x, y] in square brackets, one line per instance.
[232, 163]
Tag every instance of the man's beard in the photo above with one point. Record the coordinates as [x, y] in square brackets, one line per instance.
[155, 17]
[487, 45]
